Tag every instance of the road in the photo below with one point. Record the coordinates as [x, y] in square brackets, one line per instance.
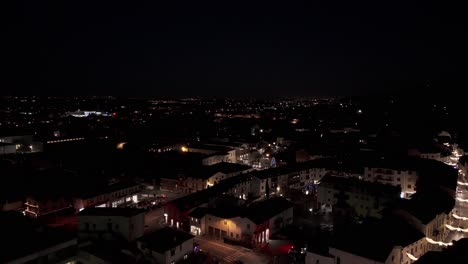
[154, 220]
[226, 253]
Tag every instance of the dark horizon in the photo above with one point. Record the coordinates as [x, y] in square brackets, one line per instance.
[294, 49]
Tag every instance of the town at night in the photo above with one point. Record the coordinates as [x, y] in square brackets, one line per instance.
[310, 132]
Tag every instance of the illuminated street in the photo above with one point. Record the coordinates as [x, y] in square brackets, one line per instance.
[226, 253]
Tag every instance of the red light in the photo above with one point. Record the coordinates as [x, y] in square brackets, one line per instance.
[114, 114]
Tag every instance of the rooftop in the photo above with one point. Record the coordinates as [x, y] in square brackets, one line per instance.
[108, 211]
[260, 212]
[96, 190]
[165, 239]
[356, 185]
[109, 252]
[22, 236]
[195, 199]
[425, 206]
[205, 172]
[199, 212]
[376, 239]
[456, 254]
[210, 147]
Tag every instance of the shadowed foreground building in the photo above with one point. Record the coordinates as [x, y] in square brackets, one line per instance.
[111, 223]
[381, 242]
[166, 246]
[25, 241]
[456, 254]
[366, 198]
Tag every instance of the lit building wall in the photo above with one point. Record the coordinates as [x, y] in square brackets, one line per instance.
[406, 179]
[129, 228]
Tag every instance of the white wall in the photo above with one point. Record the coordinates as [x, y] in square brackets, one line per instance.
[312, 258]
[129, 227]
[11, 205]
[179, 252]
[405, 179]
[287, 217]
[237, 226]
[80, 203]
[7, 149]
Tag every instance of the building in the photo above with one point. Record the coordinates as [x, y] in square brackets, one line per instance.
[166, 246]
[19, 144]
[427, 212]
[413, 174]
[111, 195]
[299, 176]
[382, 242]
[214, 158]
[431, 151]
[206, 176]
[177, 210]
[318, 253]
[43, 204]
[107, 253]
[463, 165]
[456, 254]
[11, 204]
[397, 175]
[214, 153]
[25, 241]
[242, 150]
[252, 224]
[366, 198]
[107, 223]
[7, 148]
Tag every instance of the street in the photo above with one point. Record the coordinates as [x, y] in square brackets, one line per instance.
[226, 253]
[154, 220]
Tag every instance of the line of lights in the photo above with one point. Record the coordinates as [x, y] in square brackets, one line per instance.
[411, 256]
[462, 183]
[452, 228]
[462, 200]
[440, 243]
[31, 212]
[64, 140]
[460, 217]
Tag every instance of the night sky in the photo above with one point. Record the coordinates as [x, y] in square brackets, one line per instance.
[232, 48]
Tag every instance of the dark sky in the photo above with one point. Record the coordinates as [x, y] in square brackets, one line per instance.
[232, 47]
